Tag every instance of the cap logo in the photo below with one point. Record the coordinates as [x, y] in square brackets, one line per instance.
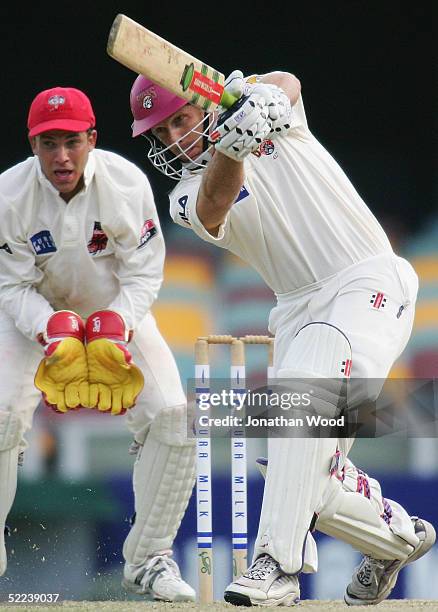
[56, 101]
[146, 97]
[148, 102]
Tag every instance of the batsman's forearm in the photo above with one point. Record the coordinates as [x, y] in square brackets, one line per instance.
[221, 183]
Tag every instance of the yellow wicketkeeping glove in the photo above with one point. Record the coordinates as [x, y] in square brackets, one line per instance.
[115, 381]
[62, 375]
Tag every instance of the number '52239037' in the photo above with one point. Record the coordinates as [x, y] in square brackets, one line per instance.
[33, 597]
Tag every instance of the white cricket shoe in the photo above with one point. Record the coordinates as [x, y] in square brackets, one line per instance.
[159, 577]
[264, 584]
[374, 579]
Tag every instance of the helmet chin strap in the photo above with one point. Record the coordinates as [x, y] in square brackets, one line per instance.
[205, 130]
[201, 161]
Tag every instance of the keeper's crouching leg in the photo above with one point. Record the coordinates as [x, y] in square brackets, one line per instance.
[164, 475]
[11, 429]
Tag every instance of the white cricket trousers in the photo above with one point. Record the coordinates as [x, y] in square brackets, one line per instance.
[372, 303]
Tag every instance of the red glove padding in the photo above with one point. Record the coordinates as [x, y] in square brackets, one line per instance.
[62, 375]
[115, 381]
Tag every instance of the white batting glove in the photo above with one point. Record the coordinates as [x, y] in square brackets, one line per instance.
[241, 131]
[235, 84]
[279, 107]
[280, 112]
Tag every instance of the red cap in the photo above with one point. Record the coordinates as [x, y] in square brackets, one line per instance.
[60, 108]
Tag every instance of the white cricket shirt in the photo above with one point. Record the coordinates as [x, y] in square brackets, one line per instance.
[104, 249]
[298, 219]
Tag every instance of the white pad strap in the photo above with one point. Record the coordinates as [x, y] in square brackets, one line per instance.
[11, 430]
[164, 475]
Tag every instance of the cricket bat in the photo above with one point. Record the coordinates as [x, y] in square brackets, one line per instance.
[148, 54]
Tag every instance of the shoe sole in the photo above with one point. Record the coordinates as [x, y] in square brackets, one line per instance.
[239, 599]
[426, 545]
[138, 590]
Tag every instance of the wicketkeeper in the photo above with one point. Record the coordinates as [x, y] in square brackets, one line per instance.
[254, 180]
[80, 267]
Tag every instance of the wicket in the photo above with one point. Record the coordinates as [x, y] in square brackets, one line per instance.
[204, 510]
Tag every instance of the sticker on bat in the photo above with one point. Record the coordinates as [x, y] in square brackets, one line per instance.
[201, 84]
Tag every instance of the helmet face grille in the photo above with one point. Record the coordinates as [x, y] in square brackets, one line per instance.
[174, 160]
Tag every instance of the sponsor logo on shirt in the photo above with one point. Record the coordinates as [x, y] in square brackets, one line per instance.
[6, 247]
[148, 231]
[243, 194]
[99, 240]
[43, 243]
[183, 213]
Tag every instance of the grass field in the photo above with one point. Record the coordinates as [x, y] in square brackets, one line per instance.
[395, 605]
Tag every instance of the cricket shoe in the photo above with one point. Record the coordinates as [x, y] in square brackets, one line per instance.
[374, 579]
[160, 578]
[264, 584]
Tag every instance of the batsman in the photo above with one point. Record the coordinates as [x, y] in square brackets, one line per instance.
[81, 264]
[256, 181]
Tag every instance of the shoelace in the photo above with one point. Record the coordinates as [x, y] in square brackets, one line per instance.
[367, 568]
[261, 568]
[134, 448]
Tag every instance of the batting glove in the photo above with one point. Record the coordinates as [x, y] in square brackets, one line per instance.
[277, 101]
[235, 85]
[115, 381]
[280, 110]
[62, 375]
[242, 128]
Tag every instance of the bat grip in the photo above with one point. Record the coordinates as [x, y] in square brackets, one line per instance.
[227, 100]
[232, 109]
